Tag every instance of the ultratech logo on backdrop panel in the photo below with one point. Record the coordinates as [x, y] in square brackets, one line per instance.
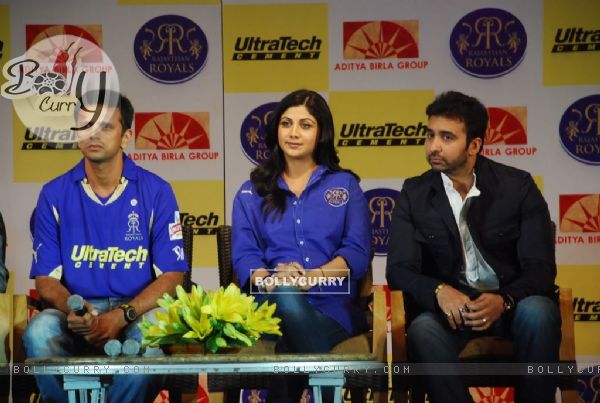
[507, 132]
[488, 43]
[357, 134]
[580, 130]
[202, 224]
[586, 310]
[174, 131]
[579, 215]
[381, 40]
[253, 134]
[170, 49]
[576, 39]
[280, 48]
[381, 202]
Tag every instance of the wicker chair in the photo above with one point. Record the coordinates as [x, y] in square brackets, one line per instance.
[373, 341]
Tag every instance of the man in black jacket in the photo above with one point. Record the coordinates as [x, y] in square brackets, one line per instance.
[471, 246]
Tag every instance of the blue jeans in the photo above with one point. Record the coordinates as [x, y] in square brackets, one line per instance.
[305, 330]
[47, 335]
[534, 328]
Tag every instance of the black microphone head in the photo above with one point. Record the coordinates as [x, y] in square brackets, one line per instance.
[112, 348]
[76, 304]
[131, 347]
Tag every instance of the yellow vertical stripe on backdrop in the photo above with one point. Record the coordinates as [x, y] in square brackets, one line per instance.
[38, 165]
[382, 109]
[202, 204]
[584, 280]
[571, 68]
[284, 26]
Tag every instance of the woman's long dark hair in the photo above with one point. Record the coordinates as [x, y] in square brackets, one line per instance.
[264, 177]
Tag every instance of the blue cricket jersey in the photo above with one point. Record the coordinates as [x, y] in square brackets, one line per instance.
[329, 219]
[112, 247]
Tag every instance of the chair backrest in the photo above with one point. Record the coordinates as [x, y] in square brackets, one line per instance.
[188, 249]
[226, 272]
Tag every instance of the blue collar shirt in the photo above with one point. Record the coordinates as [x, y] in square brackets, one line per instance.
[329, 219]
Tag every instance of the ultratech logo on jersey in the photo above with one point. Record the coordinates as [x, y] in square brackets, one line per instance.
[159, 131]
[580, 213]
[388, 134]
[46, 138]
[282, 48]
[506, 133]
[202, 224]
[378, 40]
[586, 310]
[576, 39]
[89, 257]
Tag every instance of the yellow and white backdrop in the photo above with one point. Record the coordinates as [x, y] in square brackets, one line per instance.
[203, 77]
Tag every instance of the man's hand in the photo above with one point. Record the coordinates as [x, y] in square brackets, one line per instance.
[82, 325]
[484, 311]
[452, 302]
[105, 327]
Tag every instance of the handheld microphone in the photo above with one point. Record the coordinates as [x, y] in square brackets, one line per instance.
[75, 302]
[112, 348]
[131, 347]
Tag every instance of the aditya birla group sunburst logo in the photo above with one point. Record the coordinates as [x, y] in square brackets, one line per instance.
[506, 126]
[579, 213]
[381, 39]
[507, 133]
[172, 130]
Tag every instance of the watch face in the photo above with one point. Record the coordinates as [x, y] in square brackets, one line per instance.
[130, 314]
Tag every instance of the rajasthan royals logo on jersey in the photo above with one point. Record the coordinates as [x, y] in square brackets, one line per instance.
[337, 197]
[133, 232]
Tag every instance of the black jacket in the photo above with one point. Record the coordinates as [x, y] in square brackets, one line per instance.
[509, 223]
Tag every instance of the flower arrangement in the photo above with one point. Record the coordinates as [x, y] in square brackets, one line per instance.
[223, 318]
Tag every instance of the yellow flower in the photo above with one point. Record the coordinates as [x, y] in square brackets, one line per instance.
[222, 318]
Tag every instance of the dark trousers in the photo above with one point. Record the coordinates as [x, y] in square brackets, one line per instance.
[534, 328]
[305, 330]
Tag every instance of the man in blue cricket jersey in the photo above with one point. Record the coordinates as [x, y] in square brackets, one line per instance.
[109, 231]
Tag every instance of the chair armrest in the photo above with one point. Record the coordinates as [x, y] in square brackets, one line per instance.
[379, 326]
[567, 344]
[399, 353]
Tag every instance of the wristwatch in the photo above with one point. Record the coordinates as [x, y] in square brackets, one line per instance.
[129, 313]
[508, 302]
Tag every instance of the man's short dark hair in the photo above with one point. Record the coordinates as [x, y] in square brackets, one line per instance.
[111, 99]
[469, 110]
